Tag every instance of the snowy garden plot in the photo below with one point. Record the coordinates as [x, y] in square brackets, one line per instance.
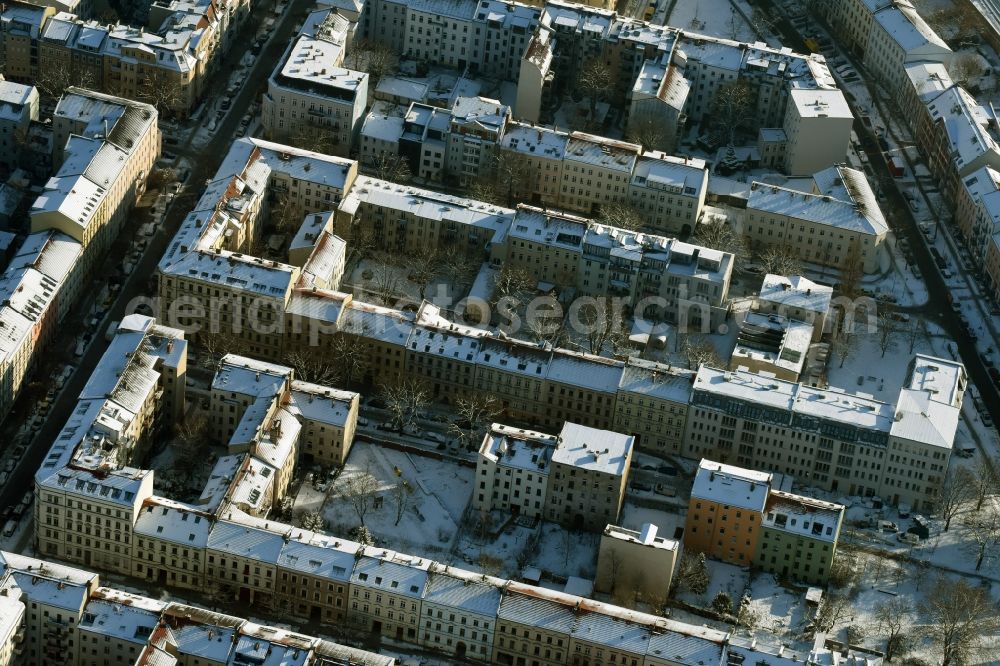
[435, 494]
[552, 549]
[377, 280]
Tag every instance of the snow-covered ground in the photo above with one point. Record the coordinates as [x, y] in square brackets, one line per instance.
[436, 491]
[711, 17]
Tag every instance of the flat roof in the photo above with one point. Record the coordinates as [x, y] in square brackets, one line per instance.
[593, 449]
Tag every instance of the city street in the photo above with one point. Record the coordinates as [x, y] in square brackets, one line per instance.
[901, 221]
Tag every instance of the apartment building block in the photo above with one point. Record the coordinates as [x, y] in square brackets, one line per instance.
[724, 513]
[386, 591]
[837, 222]
[798, 537]
[12, 630]
[652, 405]
[888, 35]
[468, 633]
[477, 123]
[796, 297]
[635, 564]
[170, 543]
[588, 477]
[329, 419]
[841, 442]
[69, 619]
[18, 108]
[314, 575]
[512, 471]
[105, 148]
[655, 276]
[311, 98]
[166, 65]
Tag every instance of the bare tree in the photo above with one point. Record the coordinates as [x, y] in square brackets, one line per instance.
[718, 234]
[748, 616]
[394, 168]
[491, 565]
[476, 413]
[164, 91]
[313, 133]
[360, 490]
[983, 533]
[649, 131]
[192, 436]
[615, 563]
[284, 214]
[732, 109]
[834, 609]
[622, 216]
[424, 267]
[402, 495]
[312, 367]
[982, 481]
[405, 401]
[349, 356]
[965, 67]
[604, 326]
[217, 344]
[55, 78]
[513, 282]
[594, 82]
[915, 331]
[843, 344]
[961, 617]
[376, 58]
[955, 491]
[544, 326]
[852, 271]
[780, 260]
[384, 283]
[887, 330]
[733, 24]
[891, 617]
[487, 190]
[511, 175]
[700, 351]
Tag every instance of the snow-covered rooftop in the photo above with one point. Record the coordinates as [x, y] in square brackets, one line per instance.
[508, 446]
[803, 516]
[594, 450]
[817, 208]
[727, 484]
[656, 380]
[795, 291]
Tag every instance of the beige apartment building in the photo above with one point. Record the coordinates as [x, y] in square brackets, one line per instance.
[314, 575]
[842, 442]
[12, 629]
[241, 561]
[459, 612]
[170, 539]
[512, 471]
[652, 405]
[386, 591]
[114, 142]
[589, 474]
[838, 221]
[329, 418]
[635, 564]
[311, 93]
